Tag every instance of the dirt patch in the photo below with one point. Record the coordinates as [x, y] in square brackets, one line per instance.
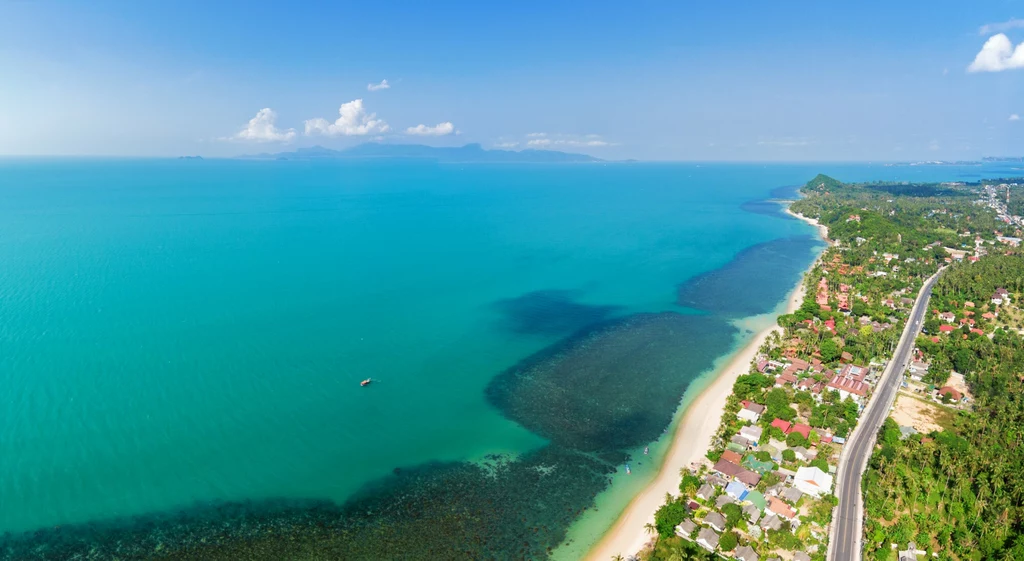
[912, 412]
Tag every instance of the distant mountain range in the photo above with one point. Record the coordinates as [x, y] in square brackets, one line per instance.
[462, 154]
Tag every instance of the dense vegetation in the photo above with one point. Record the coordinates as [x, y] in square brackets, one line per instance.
[960, 492]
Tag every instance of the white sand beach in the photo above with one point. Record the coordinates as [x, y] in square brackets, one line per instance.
[691, 440]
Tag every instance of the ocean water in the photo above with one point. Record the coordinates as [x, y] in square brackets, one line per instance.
[181, 345]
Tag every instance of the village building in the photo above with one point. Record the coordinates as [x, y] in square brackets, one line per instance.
[686, 528]
[715, 521]
[708, 539]
[813, 481]
[781, 509]
[745, 553]
[751, 411]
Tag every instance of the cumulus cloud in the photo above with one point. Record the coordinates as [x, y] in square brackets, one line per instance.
[440, 129]
[262, 128]
[1014, 117]
[383, 85]
[998, 54]
[353, 121]
[1012, 23]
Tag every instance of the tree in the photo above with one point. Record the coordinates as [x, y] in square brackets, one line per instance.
[668, 517]
[789, 455]
[728, 541]
[733, 514]
[830, 350]
[795, 439]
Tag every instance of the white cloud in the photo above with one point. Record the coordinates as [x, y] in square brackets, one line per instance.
[1012, 23]
[353, 121]
[261, 128]
[383, 85]
[440, 129]
[998, 54]
[536, 135]
[506, 145]
[1014, 117]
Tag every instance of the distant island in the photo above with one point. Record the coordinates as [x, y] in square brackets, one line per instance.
[190, 157]
[462, 154]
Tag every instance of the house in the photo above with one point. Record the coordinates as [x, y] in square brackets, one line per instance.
[733, 457]
[803, 453]
[813, 481]
[715, 521]
[723, 500]
[757, 500]
[770, 522]
[736, 490]
[946, 328]
[752, 513]
[792, 495]
[716, 480]
[781, 425]
[948, 317]
[751, 411]
[745, 553]
[740, 441]
[849, 386]
[784, 379]
[800, 428]
[752, 433]
[801, 556]
[1000, 297]
[686, 528]
[989, 316]
[845, 357]
[708, 539]
[953, 394]
[909, 554]
[705, 492]
[918, 369]
[781, 509]
[800, 365]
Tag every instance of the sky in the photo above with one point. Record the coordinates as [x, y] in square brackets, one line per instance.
[675, 80]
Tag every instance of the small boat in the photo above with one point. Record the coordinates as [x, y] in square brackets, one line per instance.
[647, 450]
[627, 470]
[366, 382]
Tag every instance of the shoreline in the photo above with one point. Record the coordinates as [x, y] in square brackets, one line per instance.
[693, 435]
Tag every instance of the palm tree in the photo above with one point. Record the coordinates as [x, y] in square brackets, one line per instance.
[618, 557]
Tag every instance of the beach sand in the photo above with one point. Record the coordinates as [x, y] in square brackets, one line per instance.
[691, 440]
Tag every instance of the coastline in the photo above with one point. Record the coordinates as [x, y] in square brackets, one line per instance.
[693, 436]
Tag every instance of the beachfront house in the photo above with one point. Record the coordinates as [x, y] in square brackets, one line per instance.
[705, 492]
[686, 528]
[716, 521]
[723, 500]
[745, 553]
[752, 433]
[751, 411]
[813, 481]
[708, 539]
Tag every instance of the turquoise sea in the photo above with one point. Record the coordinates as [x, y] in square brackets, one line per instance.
[181, 346]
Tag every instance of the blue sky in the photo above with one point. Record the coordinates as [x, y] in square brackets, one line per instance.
[649, 80]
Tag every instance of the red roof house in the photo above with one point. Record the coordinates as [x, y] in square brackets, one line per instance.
[781, 425]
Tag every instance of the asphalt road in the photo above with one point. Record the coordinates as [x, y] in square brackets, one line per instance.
[845, 543]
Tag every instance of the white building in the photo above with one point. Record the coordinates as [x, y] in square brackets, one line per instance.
[813, 481]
